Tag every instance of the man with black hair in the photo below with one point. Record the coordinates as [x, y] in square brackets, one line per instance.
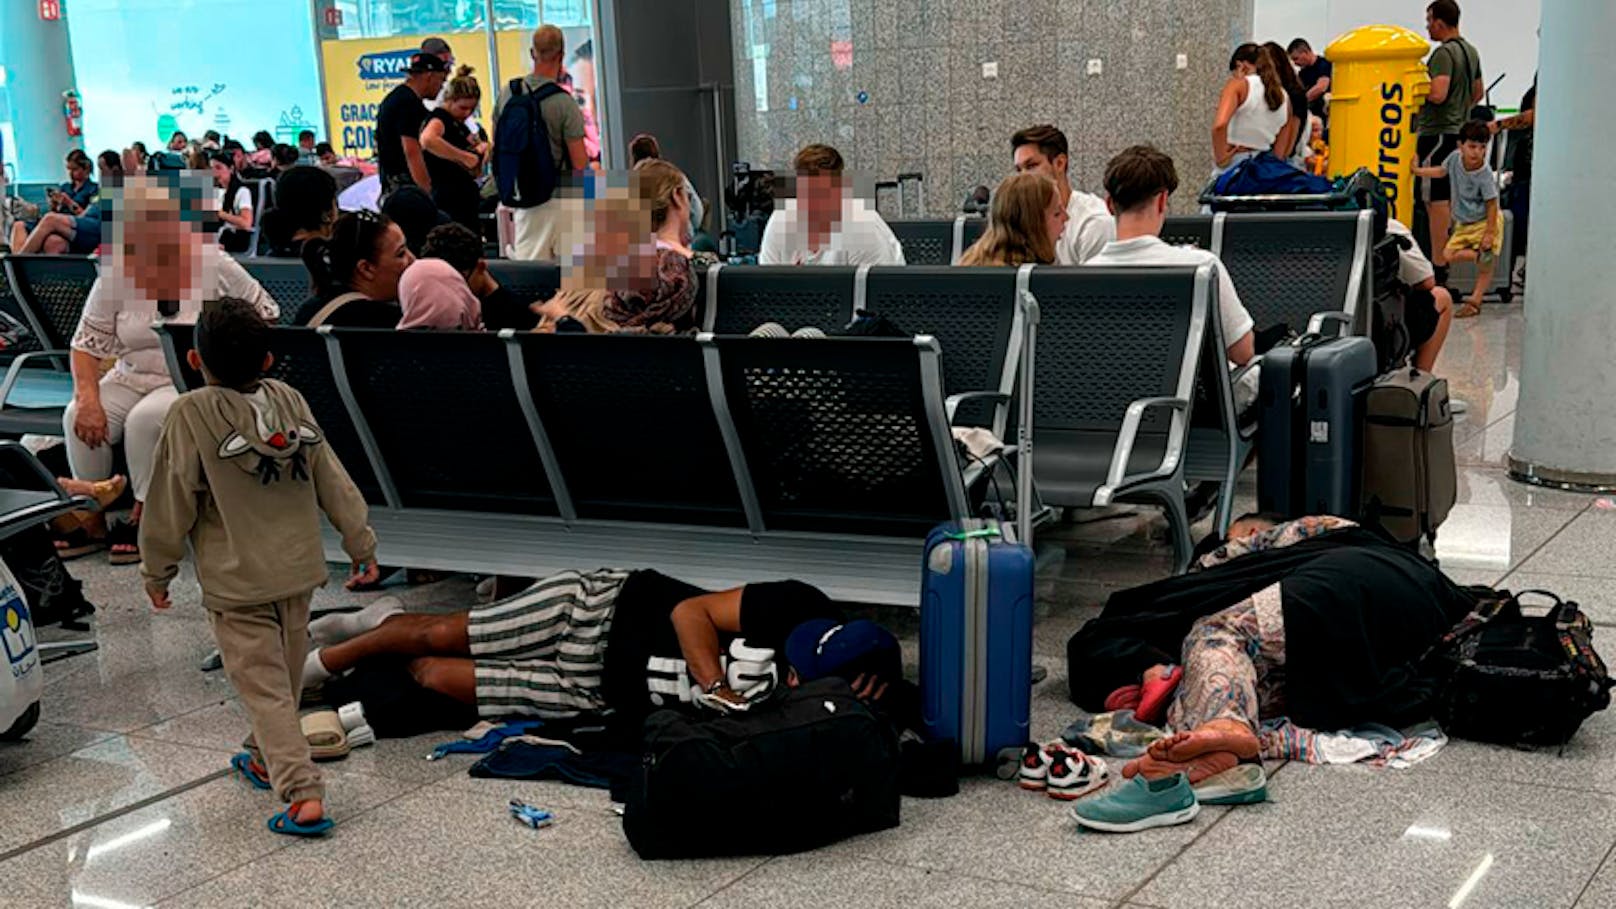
[1314, 72]
[1456, 88]
[1043, 149]
[1137, 183]
[243, 472]
[457, 245]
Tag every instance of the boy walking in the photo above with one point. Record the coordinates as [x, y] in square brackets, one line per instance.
[243, 471]
[1478, 223]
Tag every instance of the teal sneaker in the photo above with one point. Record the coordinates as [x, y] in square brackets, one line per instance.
[1242, 784]
[1140, 804]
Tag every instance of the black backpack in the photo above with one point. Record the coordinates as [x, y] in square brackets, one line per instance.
[525, 168]
[805, 768]
[1388, 326]
[1509, 678]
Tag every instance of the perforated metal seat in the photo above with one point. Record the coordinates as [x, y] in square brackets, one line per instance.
[925, 242]
[49, 292]
[1189, 230]
[1289, 266]
[285, 280]
[739, 299]
[529, 282]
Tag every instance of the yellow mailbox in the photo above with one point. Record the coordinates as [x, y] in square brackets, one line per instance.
[1378, 85]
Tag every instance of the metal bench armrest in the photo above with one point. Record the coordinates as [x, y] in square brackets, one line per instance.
[1315, 325]
[953, 402]
[1116, 479]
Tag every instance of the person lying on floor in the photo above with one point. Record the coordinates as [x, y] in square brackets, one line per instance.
[630, 642]
[1316, 620]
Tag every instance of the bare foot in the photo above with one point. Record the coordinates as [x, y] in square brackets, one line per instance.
[1197, 768]
[307, 811]
[1218, 735]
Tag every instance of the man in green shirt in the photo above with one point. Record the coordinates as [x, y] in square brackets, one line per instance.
[1456, 87]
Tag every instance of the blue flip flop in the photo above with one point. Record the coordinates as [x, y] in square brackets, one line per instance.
[241, 763]
[283, 823]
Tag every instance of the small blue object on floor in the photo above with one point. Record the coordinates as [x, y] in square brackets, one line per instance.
[242, 765]
[531, 816]
[283, 823]
[41, 388]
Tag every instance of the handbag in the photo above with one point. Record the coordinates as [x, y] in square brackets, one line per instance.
[1510, 678]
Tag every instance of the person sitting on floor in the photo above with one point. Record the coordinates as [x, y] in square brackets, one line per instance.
[583, 642]
[433, 296]
[356, 272]
[462, 248]
[1137, 183]
[1029, 216]
[1314, 620]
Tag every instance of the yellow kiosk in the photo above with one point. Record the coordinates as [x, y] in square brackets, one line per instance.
[1379, 84]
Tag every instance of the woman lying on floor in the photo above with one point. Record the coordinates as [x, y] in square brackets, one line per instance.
[1316, 620]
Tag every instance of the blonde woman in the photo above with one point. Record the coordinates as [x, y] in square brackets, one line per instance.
[454, 155]
[1028, 215]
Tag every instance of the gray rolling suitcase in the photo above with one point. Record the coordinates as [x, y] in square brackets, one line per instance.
[1310, 403]
[1410, 479]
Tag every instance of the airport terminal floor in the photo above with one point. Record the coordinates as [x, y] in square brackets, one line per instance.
[121, 797]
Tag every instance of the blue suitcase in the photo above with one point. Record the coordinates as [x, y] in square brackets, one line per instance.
[976, 605]
[1310, 418]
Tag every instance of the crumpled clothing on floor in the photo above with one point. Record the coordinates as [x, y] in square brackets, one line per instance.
[1117, 733]
[1371, 743]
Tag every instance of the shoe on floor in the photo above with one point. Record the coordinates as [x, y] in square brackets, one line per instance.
[1155, 693]
[1073, 774]
[1140, 804]
[1244, 784]
[1036, 760]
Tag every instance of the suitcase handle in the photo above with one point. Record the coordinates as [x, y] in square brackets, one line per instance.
[974, 534]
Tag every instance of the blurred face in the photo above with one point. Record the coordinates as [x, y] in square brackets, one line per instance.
[1055, 217]
[221, 174]
[1433, 27]
[821, 197]
[78, 173]
[434, 84]
[392, 257]
[162, 254]
[1302, 58]
[131, 160]
[1473, 154]
[461, 108]
[328, 158]
[177, 142]
[1030, 159]
[306, 143]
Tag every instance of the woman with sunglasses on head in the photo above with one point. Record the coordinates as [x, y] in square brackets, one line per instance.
[356, 273]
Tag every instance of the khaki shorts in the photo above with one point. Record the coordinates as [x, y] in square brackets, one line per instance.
[1469, 236]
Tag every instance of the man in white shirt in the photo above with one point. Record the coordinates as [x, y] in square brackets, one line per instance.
[1137, 184]
[825, 225]
[1427, 309]
[1043, 149]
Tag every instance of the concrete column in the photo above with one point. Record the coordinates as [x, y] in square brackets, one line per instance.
[1565, 425]
[39, 67]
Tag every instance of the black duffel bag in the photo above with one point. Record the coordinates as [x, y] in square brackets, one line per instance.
[1511, 678]
[805, 768]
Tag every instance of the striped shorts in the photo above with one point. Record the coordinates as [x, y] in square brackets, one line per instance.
[541, 652]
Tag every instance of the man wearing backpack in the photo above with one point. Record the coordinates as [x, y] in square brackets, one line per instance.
[1456, 88]
[538, 139]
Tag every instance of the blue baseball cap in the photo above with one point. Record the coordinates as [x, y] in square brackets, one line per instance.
[824, 647]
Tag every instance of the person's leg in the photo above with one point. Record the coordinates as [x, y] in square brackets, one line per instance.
[89, 463]
[257, 645]
[53, 225]
[403, 634]
[1440, 215]
[1425, 356]
[55, 245]
[144, 426]
[455, 677]
[19, 235]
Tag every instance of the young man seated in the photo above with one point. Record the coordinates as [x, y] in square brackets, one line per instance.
[629, 642]
[1137, 184]
[825, 224]
[1315, 620]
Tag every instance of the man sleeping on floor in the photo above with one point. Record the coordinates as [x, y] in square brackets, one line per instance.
[1316, 620]
[629, 642]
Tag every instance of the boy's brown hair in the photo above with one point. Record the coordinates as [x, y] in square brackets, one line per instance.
[1135, 176]
[818, 159]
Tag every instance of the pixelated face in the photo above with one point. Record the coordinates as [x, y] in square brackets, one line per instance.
[1473, 154]
[392, 257]
[461, 108]
[821, 196]
[221, 173]
[1030, 159]
[162, 253]
[1056, 217]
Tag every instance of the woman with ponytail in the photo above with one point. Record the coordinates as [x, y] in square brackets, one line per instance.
[454, 157]
[1291, 145]
[1251, 111]
[356, 273]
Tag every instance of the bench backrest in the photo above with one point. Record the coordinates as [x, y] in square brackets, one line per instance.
[843, 435]
[1191, 230]
[52, 291]
[1288, 266]
[285, 280]
[11, 306]
[1108, 336]
[971, 312]
[739, 299]
[926, 242]
[529, 282]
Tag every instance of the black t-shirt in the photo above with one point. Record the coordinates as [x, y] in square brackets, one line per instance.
[399, 117]
[1321, 69]
[501, 310]
[352, 314]
[449, 176]
[644, 666]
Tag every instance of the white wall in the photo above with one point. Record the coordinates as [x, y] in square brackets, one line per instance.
[1504, 31]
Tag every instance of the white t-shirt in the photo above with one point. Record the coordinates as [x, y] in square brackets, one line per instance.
[1413, 268]
[1089, 227]
[1155, 251]
[244, 202]
[864, 239]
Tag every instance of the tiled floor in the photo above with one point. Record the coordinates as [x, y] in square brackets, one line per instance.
[118, 798]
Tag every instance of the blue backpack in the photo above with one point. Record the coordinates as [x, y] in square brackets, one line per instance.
[525, 168]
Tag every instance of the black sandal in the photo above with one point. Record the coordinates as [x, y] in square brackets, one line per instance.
[125, 536]
[78, 543]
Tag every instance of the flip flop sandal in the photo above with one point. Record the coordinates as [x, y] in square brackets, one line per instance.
[328, 741]
[242, 764]
[77, 543]
[1467, 311]
[127, 537]
[284, 824]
